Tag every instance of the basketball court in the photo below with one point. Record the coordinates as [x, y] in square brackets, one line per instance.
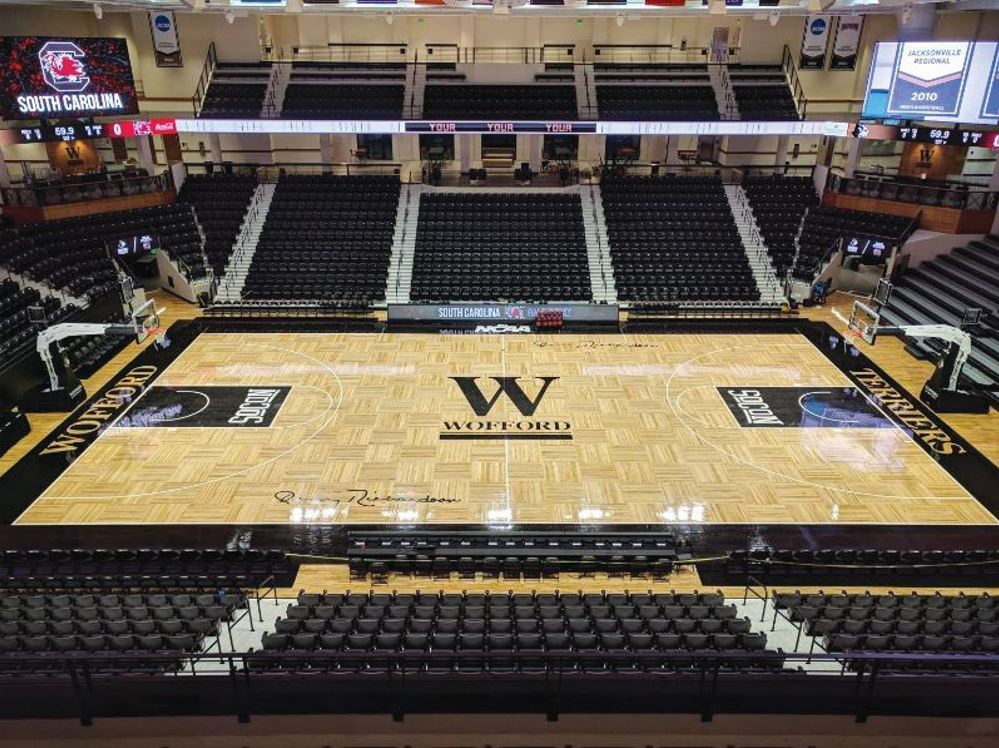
[331, 428]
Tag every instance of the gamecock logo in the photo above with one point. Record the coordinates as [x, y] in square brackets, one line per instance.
[62, 67]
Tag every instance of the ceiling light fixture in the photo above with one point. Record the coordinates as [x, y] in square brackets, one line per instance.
[774, 17]
[98, 11]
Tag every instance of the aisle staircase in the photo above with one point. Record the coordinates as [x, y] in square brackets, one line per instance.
[277, 86]
[586, 91]
[724, 95]
[597, 245]
[416, 86]
[400, 274]
[755, 248]
[234, 278]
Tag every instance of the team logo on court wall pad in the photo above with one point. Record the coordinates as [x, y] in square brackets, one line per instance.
[206, 406]
[802, 407]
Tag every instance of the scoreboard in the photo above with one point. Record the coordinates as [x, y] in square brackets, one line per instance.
[942, 136]
[64, 132]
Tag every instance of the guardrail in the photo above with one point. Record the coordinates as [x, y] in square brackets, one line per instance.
[337, 52]
[98, 187]
[961, 197]
[790, 68]
[659, 53]
[205, 79]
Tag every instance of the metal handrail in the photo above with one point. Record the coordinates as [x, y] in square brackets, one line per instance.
[204, 79]
[106, 187]
[790, 70]
[961, 198]
[658, 53]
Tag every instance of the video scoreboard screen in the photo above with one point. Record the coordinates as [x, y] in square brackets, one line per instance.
[936, 81]
[135, 246]
[871, 251]
[63, 78]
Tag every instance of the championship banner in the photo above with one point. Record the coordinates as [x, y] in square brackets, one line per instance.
[990, 107]
[928, 79]
[846, 45]
[166, 40]
[814, 43]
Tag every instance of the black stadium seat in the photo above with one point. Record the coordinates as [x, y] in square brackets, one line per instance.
[326, 238]
[675, 239]
[516, 247]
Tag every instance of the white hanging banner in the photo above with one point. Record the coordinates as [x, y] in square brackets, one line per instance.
[846, 45]
[815, 42]
[166, 40]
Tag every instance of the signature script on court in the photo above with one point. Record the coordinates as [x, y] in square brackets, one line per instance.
[361, 497]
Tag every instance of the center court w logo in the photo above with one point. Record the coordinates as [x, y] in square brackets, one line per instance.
[509, 385]
[482, 405]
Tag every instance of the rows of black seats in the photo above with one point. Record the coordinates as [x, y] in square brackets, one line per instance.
[72, 253]
[765, 103]
[220, 201]
[39, 624]
[824, 226]
[338, 101]
[233, 100]
[860, 565]
[897, 623]
[87, 354]
[941, 291]
[326, 237]
[675, 239]
[499, 102]
[523, 247]
[83, 569]
[525, 623]
[16, 328]
[672, 103]
[779, 203]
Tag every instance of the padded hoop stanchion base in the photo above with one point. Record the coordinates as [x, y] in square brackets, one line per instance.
[954, 401]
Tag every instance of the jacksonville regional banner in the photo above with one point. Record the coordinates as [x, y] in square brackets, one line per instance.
[846, 45]
[928, 79]
[814, 43]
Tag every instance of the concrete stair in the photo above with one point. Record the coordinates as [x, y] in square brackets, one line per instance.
[724, 95]
[416, 85]
[230, 287]
[586, 91]
[757, 254]
[400, 274]
[277, 86]
[597, 245]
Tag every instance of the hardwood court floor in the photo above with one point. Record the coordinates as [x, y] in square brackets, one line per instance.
[358, 439]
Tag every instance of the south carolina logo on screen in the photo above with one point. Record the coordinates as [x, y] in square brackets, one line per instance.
[62, 67]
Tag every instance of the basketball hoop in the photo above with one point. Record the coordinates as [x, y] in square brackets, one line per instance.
[863, 322]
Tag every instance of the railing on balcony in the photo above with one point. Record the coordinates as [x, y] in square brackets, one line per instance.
[790, 68]
[336, 52]
[658, 54]
[959, 197]
[454, 54]
[81, 189]
[205, 79]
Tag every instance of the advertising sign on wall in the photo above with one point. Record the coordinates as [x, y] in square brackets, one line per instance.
[166, 40]
[846, 45]
[65, 78]
[815, 42]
